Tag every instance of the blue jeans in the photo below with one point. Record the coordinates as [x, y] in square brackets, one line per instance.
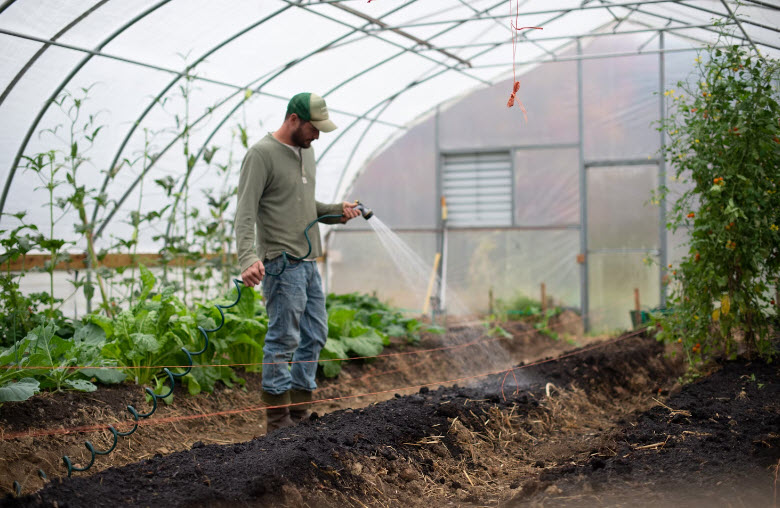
[297, 326]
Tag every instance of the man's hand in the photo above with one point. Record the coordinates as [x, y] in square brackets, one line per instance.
[349, 211]
[253, 275]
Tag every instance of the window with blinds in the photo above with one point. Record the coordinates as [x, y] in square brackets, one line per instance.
[478, 188]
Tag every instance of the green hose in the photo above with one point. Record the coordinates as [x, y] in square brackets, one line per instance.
[286, 257]
[172, 376]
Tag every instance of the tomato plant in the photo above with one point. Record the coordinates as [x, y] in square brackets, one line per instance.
[724, 131]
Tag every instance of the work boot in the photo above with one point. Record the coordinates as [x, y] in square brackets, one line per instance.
[277, 417]
[300, 411]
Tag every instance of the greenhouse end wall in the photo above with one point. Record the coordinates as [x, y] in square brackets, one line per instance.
[615, 165]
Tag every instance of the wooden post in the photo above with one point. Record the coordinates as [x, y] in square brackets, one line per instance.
[636, 314]
[427, 301]
[544, 298]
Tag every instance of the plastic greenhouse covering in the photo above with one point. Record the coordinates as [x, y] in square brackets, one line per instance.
[415, 87]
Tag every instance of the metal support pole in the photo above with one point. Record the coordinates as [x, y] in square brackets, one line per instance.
[584, 303]
[662, 240]
[443, 272]
[742, 28]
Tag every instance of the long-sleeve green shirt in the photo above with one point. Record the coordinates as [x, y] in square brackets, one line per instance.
[276, 202]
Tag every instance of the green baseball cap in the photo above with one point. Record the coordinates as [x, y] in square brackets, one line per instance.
[310, 107]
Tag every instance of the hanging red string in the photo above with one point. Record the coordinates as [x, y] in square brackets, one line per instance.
[515, 30]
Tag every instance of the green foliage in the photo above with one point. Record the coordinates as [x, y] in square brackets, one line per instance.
[518, 307]
[492, 329]
[239, 341]
[333, 349]
[46, 167]
[18, 312]
[52, 356]
[81, 132]
[725, 143]
[153, 332]
[371, 312]
[524, 308]
[15, 391]
[148, 334]
[360, 325]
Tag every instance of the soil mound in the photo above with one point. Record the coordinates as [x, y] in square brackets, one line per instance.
[380, 453]
[716, 443]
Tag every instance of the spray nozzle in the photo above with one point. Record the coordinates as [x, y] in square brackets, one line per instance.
[366, 212]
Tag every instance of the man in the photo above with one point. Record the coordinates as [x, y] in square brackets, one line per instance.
[276, 200]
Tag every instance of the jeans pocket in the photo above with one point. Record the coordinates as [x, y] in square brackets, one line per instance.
[293, 264]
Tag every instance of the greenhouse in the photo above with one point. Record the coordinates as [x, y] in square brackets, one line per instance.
[546, 242]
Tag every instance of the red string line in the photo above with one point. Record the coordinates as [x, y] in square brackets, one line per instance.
[172, 419]
[385, 355]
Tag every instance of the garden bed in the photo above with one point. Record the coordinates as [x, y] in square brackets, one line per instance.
[20, 459]
[605, 425]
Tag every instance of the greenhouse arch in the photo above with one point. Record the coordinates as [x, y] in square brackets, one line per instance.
[540, 264]
[465, 45]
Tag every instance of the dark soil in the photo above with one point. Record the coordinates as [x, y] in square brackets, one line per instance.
[178, 426]
[677, 453]
[605, 425]
[64, 408]
[339, 458]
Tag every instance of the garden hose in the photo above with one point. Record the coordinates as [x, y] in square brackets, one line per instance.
[154, 397]
[365, 212]
[171, 378]
[286, 256]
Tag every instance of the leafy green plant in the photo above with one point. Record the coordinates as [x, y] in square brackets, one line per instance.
[543, 324]
[360, 325]
[17, 311]
[372, 312]
[138, 221]
[493, 329]
[12, 390]
[43, 348]
[524, 308]
[149, 334]
[45, 166]
[239, 341]
[213, 235]
[80, 139]
[518, 307]
[725, 143]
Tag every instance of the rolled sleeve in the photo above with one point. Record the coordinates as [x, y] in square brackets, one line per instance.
[330, 209]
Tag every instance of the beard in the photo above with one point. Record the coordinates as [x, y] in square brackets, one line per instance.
[299, 138]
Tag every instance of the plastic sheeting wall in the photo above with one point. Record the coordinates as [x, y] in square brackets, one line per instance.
[620, 106]
[358, 262]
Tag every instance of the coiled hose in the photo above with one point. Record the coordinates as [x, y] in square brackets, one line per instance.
[136, 415]
[171, 375]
